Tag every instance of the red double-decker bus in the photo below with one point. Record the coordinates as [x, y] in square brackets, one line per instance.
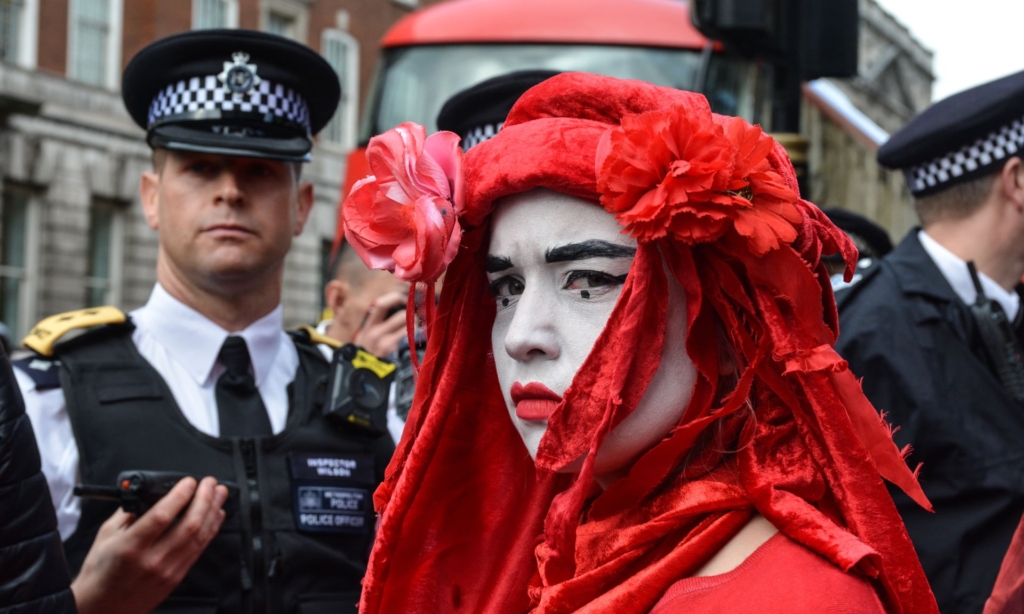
[437, 51]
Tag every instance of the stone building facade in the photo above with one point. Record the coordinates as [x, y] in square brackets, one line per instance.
[72, 233]
[893, 85]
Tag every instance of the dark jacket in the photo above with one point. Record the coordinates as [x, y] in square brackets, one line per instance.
[914, 342]
[33, 573]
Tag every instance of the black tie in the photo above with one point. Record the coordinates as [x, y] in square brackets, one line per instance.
[239, 405]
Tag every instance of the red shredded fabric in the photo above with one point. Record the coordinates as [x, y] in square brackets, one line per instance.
[471, 524]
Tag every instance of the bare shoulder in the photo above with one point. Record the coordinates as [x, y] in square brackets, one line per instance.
[751, 537]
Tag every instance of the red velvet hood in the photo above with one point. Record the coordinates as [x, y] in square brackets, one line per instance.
[470, 523]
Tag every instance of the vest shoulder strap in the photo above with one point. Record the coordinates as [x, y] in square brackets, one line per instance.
[44, 336]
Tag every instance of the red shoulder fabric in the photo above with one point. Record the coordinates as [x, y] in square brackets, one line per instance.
[470, 524]
[780, 577]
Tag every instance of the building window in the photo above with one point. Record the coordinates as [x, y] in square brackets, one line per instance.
[342, 52]
[106, 253]
[288, 18]
[18, 262]
[214, 14]
[13, 272]
[19, 25]
[11, 15]
[94, 41]
[280, 24]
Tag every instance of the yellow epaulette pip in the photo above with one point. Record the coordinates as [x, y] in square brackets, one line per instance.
[317, 337]
[45, 335]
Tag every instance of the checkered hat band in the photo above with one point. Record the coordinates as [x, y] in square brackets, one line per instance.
[997, 146]
[208, 94]
[478, 135]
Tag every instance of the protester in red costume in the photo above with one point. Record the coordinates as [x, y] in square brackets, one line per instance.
[722, 289]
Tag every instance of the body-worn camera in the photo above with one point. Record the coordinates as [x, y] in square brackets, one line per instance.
[358, 389]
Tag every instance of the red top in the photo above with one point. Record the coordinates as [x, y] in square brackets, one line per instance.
[648, 23]
[780, 577]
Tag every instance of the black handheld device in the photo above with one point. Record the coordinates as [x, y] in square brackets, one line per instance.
[137, 491]
[358, 390]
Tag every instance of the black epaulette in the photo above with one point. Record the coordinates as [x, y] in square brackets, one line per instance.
[43, 371]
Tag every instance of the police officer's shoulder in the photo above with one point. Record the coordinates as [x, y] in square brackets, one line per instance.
[44, 372]
[309, 335]
[57, 331]
[863, 277]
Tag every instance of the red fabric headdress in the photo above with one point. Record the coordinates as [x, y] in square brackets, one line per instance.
[470, 523]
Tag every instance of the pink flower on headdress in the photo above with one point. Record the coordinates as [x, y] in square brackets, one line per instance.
[403, 218]
[677, 173]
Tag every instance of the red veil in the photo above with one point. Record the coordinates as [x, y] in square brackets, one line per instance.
[469, 523]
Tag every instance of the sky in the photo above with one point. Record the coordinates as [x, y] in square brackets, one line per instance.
[973, 42]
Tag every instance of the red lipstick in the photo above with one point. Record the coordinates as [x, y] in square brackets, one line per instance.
[534, 401]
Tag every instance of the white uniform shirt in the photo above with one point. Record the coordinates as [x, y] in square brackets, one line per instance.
[182, 345]
[955, 271]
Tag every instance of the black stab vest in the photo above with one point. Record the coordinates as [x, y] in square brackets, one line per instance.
[302, 532]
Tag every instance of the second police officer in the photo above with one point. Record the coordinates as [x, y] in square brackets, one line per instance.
[202, 379]
[934, 329]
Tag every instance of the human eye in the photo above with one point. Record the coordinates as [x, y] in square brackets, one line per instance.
[591, 283]
[261, 170]
[201, 167]
[505, 289]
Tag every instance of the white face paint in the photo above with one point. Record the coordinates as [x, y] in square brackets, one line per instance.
[556, 264]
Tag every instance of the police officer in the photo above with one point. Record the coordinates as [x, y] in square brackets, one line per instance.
[934, 331]
[202, 380]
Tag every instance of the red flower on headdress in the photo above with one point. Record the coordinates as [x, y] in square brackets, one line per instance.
[676, 172]
[403, 218]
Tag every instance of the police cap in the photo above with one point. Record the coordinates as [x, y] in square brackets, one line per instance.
[872, 240]
[233, 92]
[477, 113]
[961, 137]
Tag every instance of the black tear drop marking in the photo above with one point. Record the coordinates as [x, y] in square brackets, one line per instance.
[585, 294]
[504, 302]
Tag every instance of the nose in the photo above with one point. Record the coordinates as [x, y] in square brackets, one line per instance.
[532, 333]
[229, 189]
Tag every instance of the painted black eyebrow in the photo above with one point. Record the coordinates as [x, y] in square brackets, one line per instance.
[588, 249]
[496, 264]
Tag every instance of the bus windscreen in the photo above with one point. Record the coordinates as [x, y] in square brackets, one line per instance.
[414, 82]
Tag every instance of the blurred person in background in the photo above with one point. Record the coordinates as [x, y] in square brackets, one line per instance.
[367, 307]
[934, 331]
[870, 239]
